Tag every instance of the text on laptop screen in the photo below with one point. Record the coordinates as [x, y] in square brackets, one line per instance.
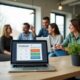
[29, 52]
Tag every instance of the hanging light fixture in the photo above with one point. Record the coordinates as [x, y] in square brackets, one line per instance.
[60, 7]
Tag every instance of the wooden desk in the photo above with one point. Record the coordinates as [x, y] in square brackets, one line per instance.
[62, 64]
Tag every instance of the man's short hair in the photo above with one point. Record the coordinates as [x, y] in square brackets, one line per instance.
[46, 18]
[27, 24]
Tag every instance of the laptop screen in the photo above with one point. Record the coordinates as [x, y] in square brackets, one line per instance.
[29, 51]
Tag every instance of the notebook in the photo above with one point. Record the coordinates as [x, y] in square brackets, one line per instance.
[29, 55]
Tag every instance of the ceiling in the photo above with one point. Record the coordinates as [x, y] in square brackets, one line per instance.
[70, 2]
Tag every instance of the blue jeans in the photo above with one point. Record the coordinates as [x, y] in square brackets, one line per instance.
[58, 52]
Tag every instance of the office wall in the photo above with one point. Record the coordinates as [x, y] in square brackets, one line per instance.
[46, 5]
[76, 10]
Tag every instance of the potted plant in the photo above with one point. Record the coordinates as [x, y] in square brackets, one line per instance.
[74, 51]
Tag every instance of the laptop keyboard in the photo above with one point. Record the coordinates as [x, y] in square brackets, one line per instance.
[33, 69]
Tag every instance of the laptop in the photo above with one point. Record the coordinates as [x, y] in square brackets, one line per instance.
[48, 42]
[29, 56]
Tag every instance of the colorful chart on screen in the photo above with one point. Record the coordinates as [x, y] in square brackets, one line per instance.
[29, 52]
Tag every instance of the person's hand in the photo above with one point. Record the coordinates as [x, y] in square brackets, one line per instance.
[58, 46]
[33, 29]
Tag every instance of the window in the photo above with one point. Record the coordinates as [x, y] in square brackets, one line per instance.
[15, 16]
[59, 19]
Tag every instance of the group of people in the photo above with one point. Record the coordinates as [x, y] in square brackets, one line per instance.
[58, 43]
[48, 29]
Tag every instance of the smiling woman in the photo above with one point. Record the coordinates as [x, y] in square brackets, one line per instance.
[15, 16]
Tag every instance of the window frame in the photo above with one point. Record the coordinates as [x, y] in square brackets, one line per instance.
[18, 6]
[64, 30]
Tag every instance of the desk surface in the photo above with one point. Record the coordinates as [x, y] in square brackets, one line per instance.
[63, 66]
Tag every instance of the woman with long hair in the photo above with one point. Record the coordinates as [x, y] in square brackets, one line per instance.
[74, 35]
[54, 36]
[6, 39]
